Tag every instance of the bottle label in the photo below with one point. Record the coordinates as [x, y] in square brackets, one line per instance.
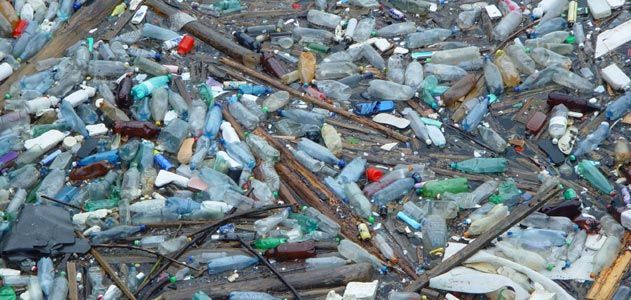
[558, 120]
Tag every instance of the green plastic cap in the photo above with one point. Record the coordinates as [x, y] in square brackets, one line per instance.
[172, 279]
[570, 194]
[373, 33]
[7, 96]
[137, 243]
[275, 194]
[371, 220]
[453, 165]
[570, 39]
[572, 157]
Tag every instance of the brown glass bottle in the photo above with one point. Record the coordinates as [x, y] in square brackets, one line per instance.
[273, 66]
[568, 208]
[91, 171]
[571, 102]
[139, 129]
[626, 172]
[459, 90]
[291, 251]
[123, 93]
[588, 223]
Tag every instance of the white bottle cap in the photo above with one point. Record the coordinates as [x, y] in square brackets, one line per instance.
[69, 142]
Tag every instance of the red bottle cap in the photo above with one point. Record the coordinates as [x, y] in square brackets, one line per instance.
[186, 45]
[19, 28]
[373, 174]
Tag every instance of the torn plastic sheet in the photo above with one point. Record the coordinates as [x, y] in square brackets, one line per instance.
[461, 279]
[613, 38]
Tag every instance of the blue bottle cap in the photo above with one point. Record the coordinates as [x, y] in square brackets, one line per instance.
[341, 163]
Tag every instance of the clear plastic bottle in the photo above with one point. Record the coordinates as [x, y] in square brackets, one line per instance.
[334, 90]
[523, 62]
[237, 295]
[364, 28]
[572, 80]
[493, 77]
[492, 139]
[393, 191]
[435, 237]
[335, 70]
[395, 71]
[263, 226]
[396, 29]
[242, 114]
[114, 233]
[352, 171]
[358, 254]
[427, 37]
[467, 18]
[45, 274]
[275, 101]
[324, 262]
[445, 72]
[241, 153]
[414, 75]
[310, 34]
[34, 289]
[319, 152]
[229, 263]
[611, 227]
[558, 122]
[606, 255]
[467, 58]
[507, 25]
[497, 213]
[543, 221]
[323, 19]
[476, 114]
[623, 293]
[331, 139]
[522, 256]
[575, 249]
[593, 140]
[382, 244]
[359, 203]
[388, 90]
[156, 32]
[373, 57]
[469, 200]
[60, 287]
[262, 149]
[386, 180]
[171, 246]
[618, 108]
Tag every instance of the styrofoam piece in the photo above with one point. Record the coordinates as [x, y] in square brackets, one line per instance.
[615, 77]
[165, 177]
[96, 129]
[493, 11]
[47, 140]
[5, 71]
[392, 120]
[361, 290]
[599, 9]
[382, 44]
[81, 218]
[613, 38]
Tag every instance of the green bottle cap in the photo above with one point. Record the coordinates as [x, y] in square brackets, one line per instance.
[549, 267]
[137, 243]
[572, 157]
[265, 109]
[453, 165]
[419, 191]
[570, 39]
[172, 279]
[373, 33]
[7, 96]
[275, 194]
[304, 207]
[428, 60]
[91, 44]
[371, 220]
[570, 194]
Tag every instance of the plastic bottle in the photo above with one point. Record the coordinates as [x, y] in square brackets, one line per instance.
[593, 140]
[467, 58]
[466, 19]
[543, 221]
[359, 203]
[156, 32]
[382, 244]
[476, 114]
[481, 165]
[471, 200]
[388, 90]
[34, 289]
[364, 28]
[575, 249]
[623, 292]
[571, 80]
[497, 213]
[145, 88]
[434, 237]
[242, 114]
[537, 79]
[493, 77]
[522, 256]
[523, 62]
[403, 296]
[539, 240]
[445, 72]
[618, 108]
[358, 254]
[292, 251]
[396, 29]
[606, 255]
[171, 246]
[417, 125]
[507, 25]
[324, 262]
[114, 233]
[558, 122]
[60, 287]
[492, 139]
[319, 152]
[241, 153]
[228, 263]
[393, 191]
[510, 75]
[323, 19]
[611, 227]
[237, 295]
[335, 70]
[545, 57]
[427, 37]
[45, 274]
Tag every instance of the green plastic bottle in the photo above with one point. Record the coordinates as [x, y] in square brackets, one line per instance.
[307, 224]
[433, 188]
[207, 94]
[318, 47]
[506, 191]
[93, 205]
[588, 170]
[146, 87]
[269, 243]
[7, 293]
[481, 165]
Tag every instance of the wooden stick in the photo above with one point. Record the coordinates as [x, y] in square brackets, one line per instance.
[609, 279]
[484, 239]
[110, 272]
[295, 93]
[210, 36]
[73, 290]
[84, 20]
[145, 250]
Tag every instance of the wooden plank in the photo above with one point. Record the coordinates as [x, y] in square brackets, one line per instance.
[609, 279]
[484, 239]
[329, 277]
[118, 26]
[84, 20]
[73, 290]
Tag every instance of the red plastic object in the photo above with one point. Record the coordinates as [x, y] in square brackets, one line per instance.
[19, 28]
[296, 6]
[186, 45]
[373, 174]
